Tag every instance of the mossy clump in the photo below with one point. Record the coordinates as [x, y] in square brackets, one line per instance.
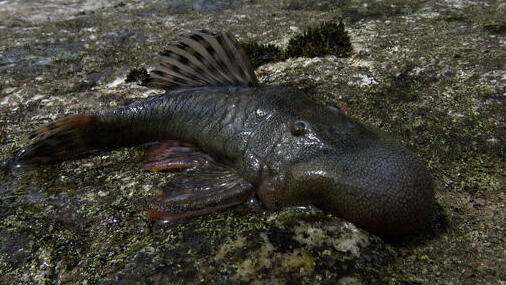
[139, 75]
[330, 38]
[260, 54]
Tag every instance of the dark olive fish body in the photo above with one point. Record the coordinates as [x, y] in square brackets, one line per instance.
[292, 150]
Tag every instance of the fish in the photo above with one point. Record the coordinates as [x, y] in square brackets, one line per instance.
[230, 138]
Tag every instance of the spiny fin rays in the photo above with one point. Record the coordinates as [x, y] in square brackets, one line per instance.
[204, 186]
[203, 59]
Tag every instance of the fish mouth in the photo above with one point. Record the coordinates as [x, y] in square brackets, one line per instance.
[383, 187]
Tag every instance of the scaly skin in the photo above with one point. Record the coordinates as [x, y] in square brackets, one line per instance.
[294, 151]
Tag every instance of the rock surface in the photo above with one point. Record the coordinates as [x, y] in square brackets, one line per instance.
[431, 73]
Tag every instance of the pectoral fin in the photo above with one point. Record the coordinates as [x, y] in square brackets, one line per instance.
[174, 155]
[205, 185]
[199, 193]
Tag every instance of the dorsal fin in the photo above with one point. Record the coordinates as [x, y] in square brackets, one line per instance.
[203, 59]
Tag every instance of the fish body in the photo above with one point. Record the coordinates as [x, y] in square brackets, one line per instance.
[274, 141]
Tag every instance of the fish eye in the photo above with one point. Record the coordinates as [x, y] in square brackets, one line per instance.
[298, 128]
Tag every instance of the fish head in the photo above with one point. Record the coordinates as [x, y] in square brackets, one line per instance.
[358, 173]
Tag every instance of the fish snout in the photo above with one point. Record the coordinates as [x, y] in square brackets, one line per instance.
[382, 187]
[387, 188]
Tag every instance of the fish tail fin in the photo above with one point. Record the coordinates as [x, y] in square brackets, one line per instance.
[66, 138]
[203, 59]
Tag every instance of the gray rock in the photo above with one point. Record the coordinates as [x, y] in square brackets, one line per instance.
[432, 73]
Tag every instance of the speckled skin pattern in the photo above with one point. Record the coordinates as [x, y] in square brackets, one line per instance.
[293, 150]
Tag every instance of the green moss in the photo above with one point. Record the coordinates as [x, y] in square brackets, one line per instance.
[330, 38]
[137, 75]
[260, 54]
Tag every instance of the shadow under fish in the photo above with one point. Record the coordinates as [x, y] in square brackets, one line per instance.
[233, 138]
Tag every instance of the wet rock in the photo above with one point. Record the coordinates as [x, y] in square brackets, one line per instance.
[431, 74]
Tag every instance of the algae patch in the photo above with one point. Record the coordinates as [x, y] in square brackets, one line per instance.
[330, 38]
[261, 54]
[138, 75]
